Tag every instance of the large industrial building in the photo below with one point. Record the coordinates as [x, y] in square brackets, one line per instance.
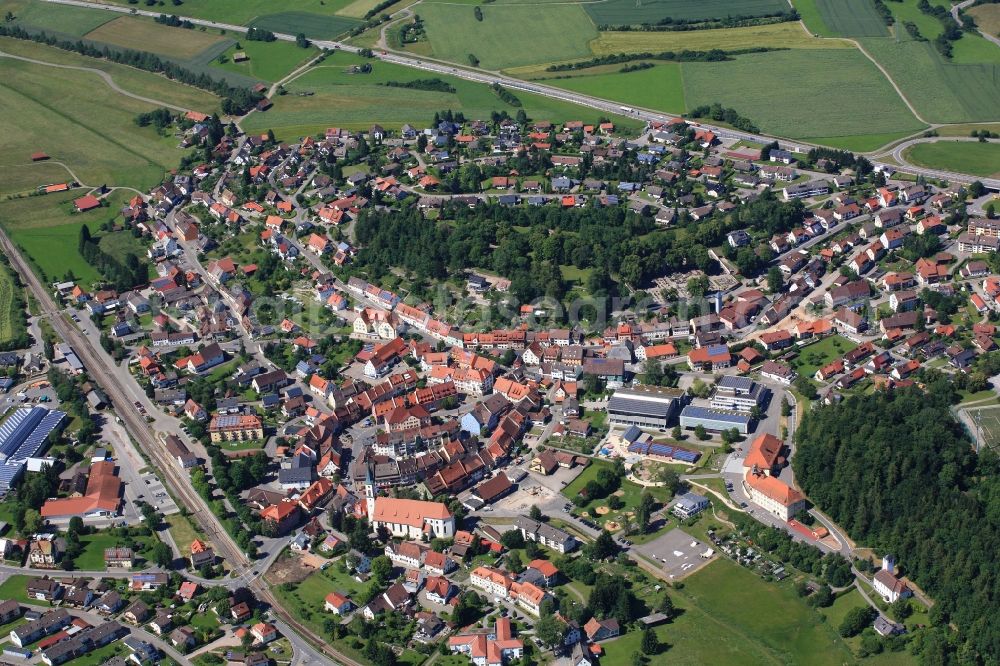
[22, 436]
[644, 406]
[716, 419]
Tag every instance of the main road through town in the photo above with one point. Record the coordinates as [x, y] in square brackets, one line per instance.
[488, 77]
[100, 370]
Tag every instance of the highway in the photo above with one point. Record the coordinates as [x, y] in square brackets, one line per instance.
[99, 370]
[589, 101]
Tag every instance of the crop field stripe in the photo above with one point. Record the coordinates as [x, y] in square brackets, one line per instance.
[852, 18]
[789, 93]
[962, 92]
[314, 26]
[143, 35]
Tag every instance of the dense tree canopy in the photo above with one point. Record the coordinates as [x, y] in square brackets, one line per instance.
[899, 474]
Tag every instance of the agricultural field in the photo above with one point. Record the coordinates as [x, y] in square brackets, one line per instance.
[80, 121]
[356, 101]
[311, 25]
[987, 18]
[786, 35]
[48, 231]
[269, 61]
[977, 159]
[629, 12]
[64, 19]
[785, 95]
[128, 78]
[508, 35]
[970, 49]
[812, 19]
[144, 35]
[965, 93]
[659, 88]
[851, 18]
[243, 12]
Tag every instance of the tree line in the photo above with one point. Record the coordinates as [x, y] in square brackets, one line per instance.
[131, 274]
[435, 85]
[235, 100]
[719, 113]
[899, 474]
[673, 24]
[712, 55]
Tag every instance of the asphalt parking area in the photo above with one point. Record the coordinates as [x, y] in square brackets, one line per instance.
[677, 553]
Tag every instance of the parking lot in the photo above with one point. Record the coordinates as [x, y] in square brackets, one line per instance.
[678, 553]
[153, 492]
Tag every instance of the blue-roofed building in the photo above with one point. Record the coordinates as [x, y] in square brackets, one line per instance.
[715, 419]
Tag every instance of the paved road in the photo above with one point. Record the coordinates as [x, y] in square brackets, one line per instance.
[122, 389]
[488, 77]
[955, 9]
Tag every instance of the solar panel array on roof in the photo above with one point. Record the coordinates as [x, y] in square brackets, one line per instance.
[9, 473]
[16, 428]
[22, 436]
[664, 451]
[714, 414]
[626, 405]
[227, 421]
[35, 440]
[733, 382]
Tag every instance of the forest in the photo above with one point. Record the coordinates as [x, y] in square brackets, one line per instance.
[899, 474]
[529, 244]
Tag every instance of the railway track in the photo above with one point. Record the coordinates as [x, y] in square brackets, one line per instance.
[150, 444]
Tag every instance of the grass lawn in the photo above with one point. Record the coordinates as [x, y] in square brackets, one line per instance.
[48, 232]
[659, 88]
[102, 655]
[77, 119]
[622, 12]
[145, 35]
[92, 557]
[835, 615]
[15, 588]
[355, 101]
[752, 84]
[307, 599]
[508, 35]
[731, 616]
[183, 532]
[574, 487]
[815, 356]
[778, 35]
[977, 159]
[69, 20]
[269, 61]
